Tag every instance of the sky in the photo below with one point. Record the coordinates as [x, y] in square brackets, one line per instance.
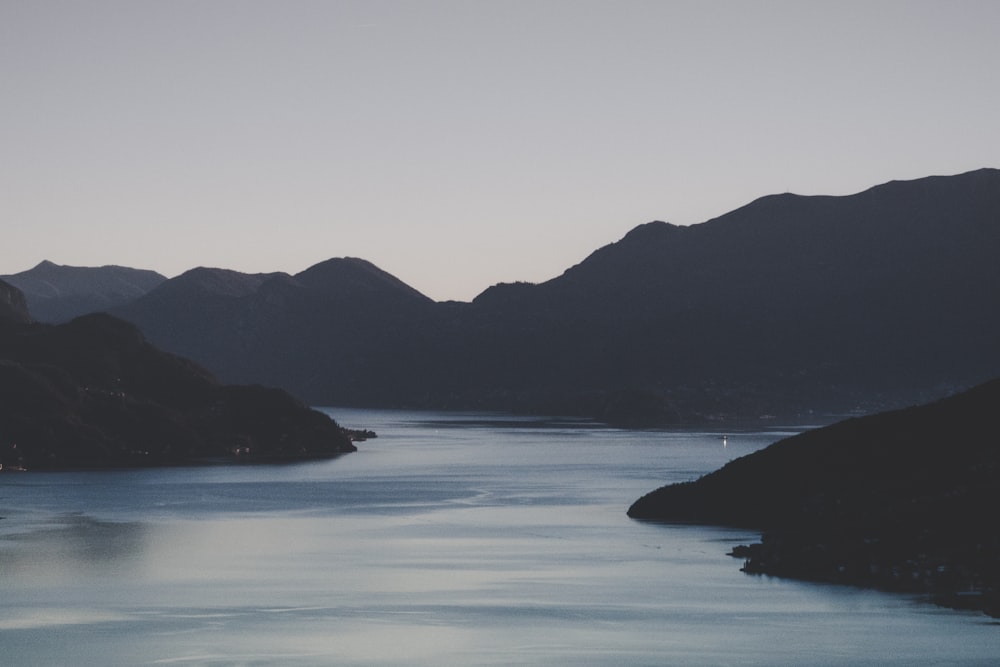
[458, 144]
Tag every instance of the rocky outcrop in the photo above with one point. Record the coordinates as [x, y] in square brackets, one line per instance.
[13, 306]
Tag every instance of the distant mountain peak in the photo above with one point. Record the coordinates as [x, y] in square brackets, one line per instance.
[352, 276]
[219, 282]
[654, 229]
[57, 293]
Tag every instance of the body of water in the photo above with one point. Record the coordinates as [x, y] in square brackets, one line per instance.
[452, 539]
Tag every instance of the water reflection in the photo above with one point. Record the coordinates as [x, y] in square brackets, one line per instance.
[70, 545]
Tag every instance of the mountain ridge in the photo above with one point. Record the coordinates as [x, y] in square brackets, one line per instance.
[793, 305]
[57, 293]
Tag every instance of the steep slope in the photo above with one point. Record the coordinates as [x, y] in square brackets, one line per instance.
[58, 293]
[94, 393]
[13, 305]
[906, 500]
[885, 296]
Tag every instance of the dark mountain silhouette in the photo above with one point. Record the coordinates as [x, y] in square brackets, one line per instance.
[787, 306]
[93, 393]
[59, 293]
[905, 500]
[13, 306]
[269, 328]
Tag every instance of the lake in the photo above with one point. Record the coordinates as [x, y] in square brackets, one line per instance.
[451, 539]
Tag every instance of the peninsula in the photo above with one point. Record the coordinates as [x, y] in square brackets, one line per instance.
[93, 393]
[907, 500]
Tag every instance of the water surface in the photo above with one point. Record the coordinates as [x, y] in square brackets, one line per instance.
[452, 539]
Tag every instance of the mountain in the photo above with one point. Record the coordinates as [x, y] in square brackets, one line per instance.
[59, 293]
[92, 393]
[905, 500]
[791, 306]
[343, 320]
[884, 293]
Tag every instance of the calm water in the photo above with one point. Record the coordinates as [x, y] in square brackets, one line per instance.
[449, 540]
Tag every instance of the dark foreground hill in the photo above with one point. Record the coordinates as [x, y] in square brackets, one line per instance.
[93, 393]
[57, 293]
[906, 500]
[792, 306]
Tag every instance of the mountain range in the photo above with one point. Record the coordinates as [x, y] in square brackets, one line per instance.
[790, 307]
[56, 293]
[797, 307]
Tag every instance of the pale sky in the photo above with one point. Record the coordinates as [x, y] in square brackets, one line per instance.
[461, 144]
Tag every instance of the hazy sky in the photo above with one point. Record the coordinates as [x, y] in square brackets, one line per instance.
[460, 144]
